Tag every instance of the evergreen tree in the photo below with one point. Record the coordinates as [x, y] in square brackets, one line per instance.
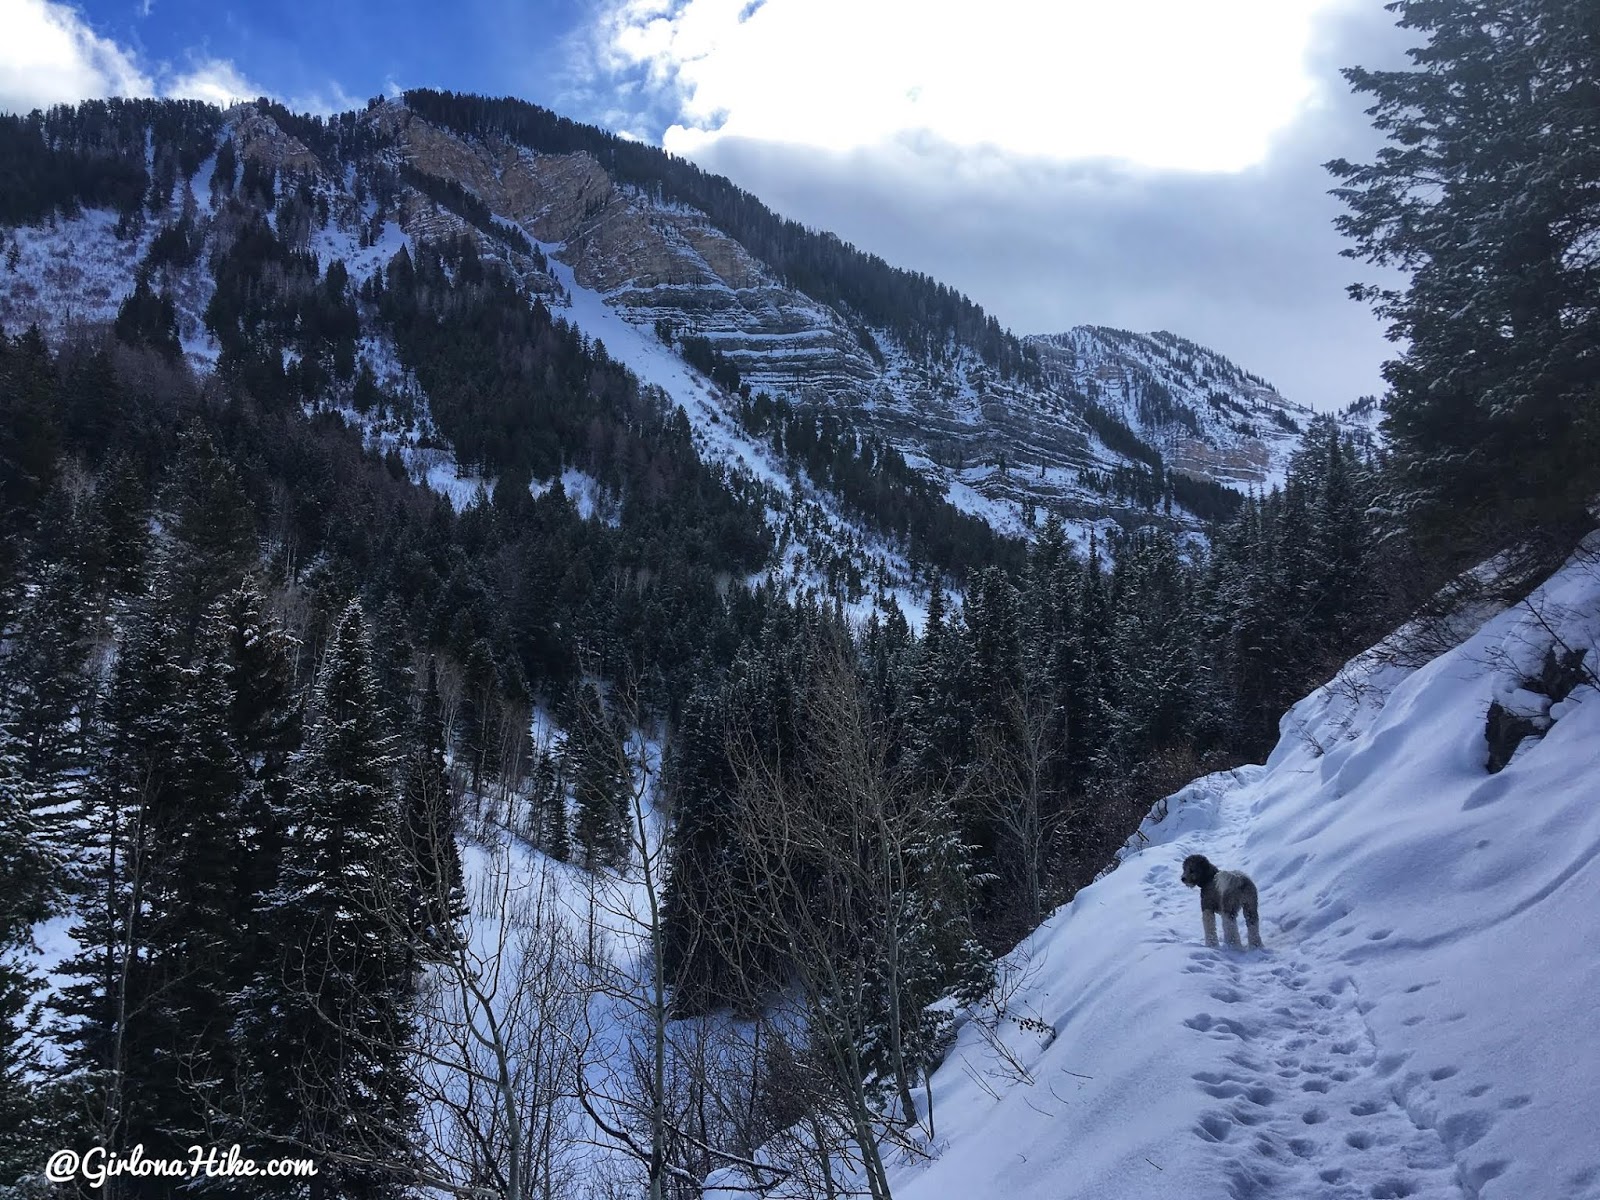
[476, 720]
[1155, 643]
[429, 832]
[1342, 584]
[698, 782]
[190, 938]
[26, 895]
[263, 722]
[327, 1023]
[123, 508]
[134, 762]
[596, 762]
[30, 441]
[938, 721]
[148, 319]
[550, 806]
[1097, 693]
[47, 687]
[1063, 660]
[1484, 196]
[215, 532]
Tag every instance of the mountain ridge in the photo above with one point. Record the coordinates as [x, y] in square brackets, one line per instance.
[1091, 423]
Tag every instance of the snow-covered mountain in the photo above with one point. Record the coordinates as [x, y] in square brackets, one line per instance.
[1207, 416]
[1421, 1021]
[1002, 431]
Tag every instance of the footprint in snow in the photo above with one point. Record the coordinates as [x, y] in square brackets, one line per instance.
[1299, 1034]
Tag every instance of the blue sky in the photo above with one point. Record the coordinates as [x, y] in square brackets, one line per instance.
[326, 52]
[1147, 164]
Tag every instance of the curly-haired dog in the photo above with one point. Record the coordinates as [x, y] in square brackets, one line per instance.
[1227, 892]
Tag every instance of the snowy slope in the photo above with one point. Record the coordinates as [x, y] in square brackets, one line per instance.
[816, 526]
[995, 444]
[1422, 1022]
[1207, 415]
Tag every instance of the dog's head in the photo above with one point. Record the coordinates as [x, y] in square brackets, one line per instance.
[1198, 871]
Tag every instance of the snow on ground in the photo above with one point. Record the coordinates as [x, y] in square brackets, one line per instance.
[593, 500]
[1003, 516]
[1421, 1022]
[69, 271]
[332, 241]
[720, 438]
[519, 900]
[656, 363]
[427, 462]
[439, 472]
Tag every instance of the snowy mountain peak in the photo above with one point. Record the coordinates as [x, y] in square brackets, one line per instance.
[1208, 416]
[1093, 424]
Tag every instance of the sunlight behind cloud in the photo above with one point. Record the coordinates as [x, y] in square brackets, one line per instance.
[215, 81]
[49, 55]
[1173, 84]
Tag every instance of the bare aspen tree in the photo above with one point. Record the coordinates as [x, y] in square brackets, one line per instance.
[495, 1076]
[513, 755]
[652, 1085]
[830, 847]
[1014, 791]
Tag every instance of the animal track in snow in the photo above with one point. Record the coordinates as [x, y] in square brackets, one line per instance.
[1298, 1033]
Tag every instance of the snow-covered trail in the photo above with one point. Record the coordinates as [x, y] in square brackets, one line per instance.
[1302, 1101]
[1421, 1022]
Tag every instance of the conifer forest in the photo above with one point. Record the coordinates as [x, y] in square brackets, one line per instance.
[653, 801]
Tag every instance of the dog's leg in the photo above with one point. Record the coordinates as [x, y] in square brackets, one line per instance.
[1230, 929]
[1252, 924]
[1209, 920]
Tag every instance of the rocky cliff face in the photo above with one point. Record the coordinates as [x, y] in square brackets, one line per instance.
[656, 261]
[1209, 417]
[651, 260]
[1001, 445]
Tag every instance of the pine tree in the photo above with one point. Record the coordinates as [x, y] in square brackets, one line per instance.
[1484, 197]
[1341, 585]
[133, 766]
[123, 506]
[191, 940]
[30, 442]
[550, 806]
[698, 783]
[1097, 694]
[263, 722]
[46, 685]
[429, 831]
[1065, 668]
[1154, 638]
[26, 895]
[327, 1022]
[215, 532]
[938, 722]
[984, 707]
[148, 319]
[595, 763]
[478, 710]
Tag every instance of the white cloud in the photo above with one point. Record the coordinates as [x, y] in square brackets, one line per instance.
[1244, 260]
[214, 80]
[1171, 84]
[323, 102]
[50, 55]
